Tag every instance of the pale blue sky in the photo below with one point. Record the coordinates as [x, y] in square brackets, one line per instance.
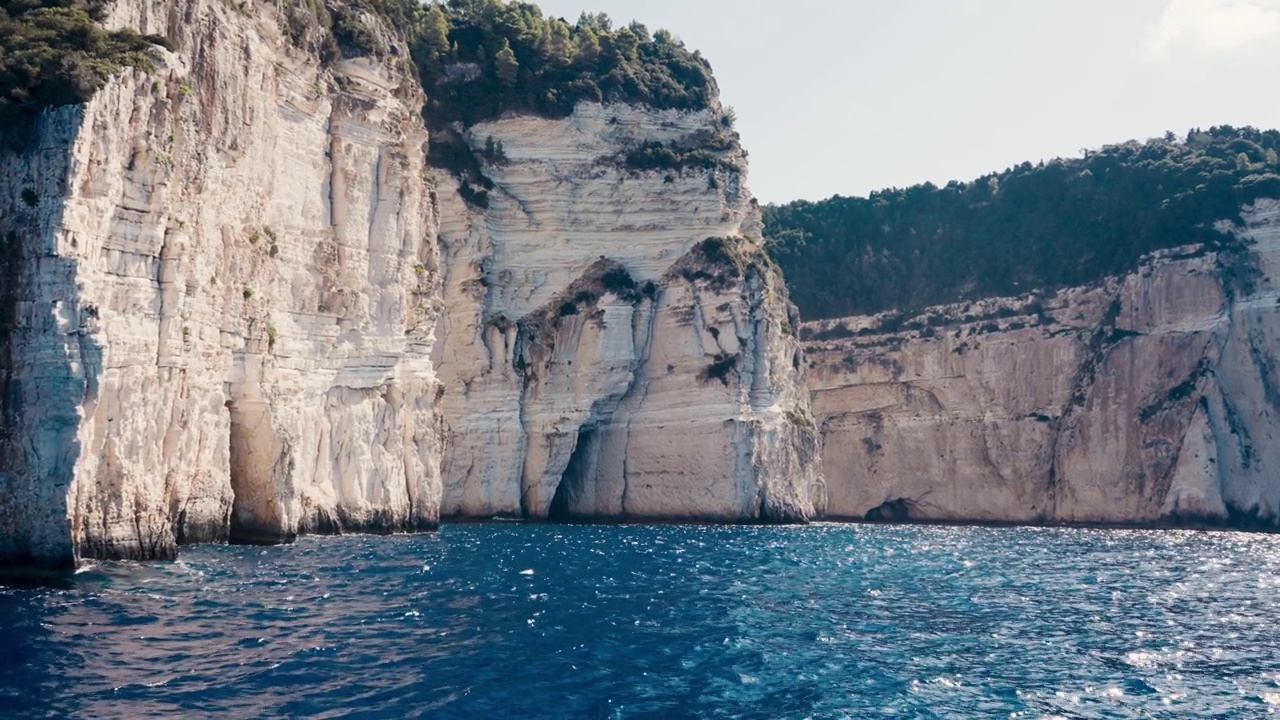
[847, 97]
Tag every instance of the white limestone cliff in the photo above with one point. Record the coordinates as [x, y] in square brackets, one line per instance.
[219, 296]
[224, 306]
[1152, 398]
[615, 343]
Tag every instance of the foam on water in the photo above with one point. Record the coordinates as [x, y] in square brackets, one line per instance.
[509, 620]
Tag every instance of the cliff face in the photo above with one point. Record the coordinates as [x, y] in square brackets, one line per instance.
[1151, 398]
[224, 308]
[218, 302]
[615, 343]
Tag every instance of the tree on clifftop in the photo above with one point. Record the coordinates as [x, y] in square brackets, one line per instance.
[435, 33]
[505, 65]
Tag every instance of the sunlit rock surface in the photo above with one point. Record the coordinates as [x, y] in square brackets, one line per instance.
[599, 362]
[239, 305]
[1152, 398]
[219, 292]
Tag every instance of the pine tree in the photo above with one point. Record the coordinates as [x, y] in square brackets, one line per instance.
[435, 32]
[559, 44]
[588, 46]
[505, 65]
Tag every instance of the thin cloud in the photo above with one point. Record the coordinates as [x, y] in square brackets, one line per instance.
[1214, 25]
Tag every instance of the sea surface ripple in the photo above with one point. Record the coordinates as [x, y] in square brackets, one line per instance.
[511, 620]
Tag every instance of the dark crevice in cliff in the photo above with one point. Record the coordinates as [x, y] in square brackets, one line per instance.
[580, 471]
[238, 533]
[1265, 362]
[1105, 337]
[896, 510]
[1177, 394]
[1239, 430]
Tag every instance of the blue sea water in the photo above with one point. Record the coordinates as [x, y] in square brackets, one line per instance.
[512, 620]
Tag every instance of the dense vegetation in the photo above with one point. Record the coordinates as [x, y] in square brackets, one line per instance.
[54, 52]
[1061, 223]
[479, 58]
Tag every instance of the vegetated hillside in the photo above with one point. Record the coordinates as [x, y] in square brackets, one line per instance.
[1061, 223]
[476, 58]
[54, 52]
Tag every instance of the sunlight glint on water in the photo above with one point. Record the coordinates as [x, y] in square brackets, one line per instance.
[510, 620]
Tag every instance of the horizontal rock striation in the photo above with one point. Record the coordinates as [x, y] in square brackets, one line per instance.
[1149, 399]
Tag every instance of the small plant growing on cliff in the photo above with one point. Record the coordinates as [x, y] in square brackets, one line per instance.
[657, 156]
[619, 282]
[494, 152]
[720, 369]
[248, 293]
[800, 419]
[254, 238]
[275, 250]
[272, 334]
[456, 156]
[473, 197]
[270, 233]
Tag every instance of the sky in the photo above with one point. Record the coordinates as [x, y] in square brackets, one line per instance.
[849, 96]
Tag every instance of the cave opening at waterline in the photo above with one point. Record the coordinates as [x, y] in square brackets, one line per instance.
[237, 441]
[566, 504]
[256, 512]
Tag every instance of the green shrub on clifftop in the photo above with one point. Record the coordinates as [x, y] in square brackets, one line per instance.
[54, 52]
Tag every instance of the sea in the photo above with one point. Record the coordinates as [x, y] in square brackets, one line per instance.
[512, 620]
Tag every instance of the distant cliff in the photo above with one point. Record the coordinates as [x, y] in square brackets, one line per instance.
[1084, 340]
[1148, 398]
[252, 290]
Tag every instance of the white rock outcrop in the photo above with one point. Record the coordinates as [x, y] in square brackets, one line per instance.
[226, 314]
[219, 299]
[1152, 398]
[614, 342]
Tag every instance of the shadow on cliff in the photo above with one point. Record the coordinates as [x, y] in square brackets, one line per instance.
[43, 381]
